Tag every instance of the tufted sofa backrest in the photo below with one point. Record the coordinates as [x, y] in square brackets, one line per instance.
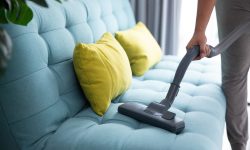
[39, 89]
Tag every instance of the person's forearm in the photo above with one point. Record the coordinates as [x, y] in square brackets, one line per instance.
[204, 10]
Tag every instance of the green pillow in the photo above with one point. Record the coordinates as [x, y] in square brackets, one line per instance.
[103, 71]
[142, 49]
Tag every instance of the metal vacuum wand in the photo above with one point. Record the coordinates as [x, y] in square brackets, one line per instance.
[230, 39]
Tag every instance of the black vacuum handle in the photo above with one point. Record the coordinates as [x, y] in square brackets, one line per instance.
[179, 74]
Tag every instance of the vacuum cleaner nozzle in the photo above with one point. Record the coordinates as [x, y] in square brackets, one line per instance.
[139, 112]
[157, 114]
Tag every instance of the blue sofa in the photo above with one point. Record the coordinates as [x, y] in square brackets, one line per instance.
[43, 107]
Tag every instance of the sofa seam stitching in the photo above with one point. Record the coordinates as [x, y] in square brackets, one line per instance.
[22, 77]
[30, 116]
[9, 128]
[126, 140]
[15, 37]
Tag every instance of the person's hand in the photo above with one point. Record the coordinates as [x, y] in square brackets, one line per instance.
[201, 40]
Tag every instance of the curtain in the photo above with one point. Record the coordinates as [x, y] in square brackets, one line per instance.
[162, 18]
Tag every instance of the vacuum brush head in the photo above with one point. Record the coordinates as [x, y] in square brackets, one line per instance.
[137, 111]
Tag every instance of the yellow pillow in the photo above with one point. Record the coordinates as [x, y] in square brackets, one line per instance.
[142, 49]
[103, 71]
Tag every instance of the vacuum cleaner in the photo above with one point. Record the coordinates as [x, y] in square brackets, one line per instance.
[158, 114]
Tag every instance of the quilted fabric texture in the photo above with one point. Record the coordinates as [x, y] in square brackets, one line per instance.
[42, 105]
[200, 103]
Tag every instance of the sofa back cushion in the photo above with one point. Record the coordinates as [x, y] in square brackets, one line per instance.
[39, 89]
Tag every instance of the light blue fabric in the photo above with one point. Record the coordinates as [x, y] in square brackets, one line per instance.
[42, 105]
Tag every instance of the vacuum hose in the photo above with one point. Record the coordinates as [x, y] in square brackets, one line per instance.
[230, 39]
[194, 52]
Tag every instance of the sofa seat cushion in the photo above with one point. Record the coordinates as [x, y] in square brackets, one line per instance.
[200, 103]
